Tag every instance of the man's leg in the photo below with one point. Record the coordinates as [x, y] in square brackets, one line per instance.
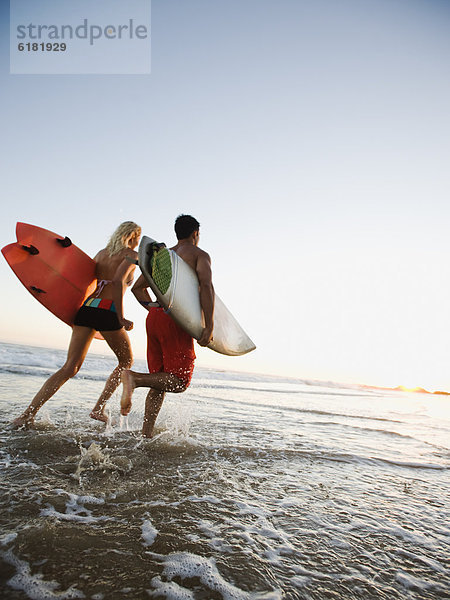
[159, 382]
[153, 403]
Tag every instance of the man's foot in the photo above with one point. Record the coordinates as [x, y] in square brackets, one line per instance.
[24, 421]
[128, 388]
[98, 416]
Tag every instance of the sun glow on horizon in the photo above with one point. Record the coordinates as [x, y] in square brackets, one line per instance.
[409, 389]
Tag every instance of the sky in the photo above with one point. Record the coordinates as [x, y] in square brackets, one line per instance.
[311, 139]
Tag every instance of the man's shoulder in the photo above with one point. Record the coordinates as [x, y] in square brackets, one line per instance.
[193, 255]
[191, 251]
[200, 257]
[202, 253]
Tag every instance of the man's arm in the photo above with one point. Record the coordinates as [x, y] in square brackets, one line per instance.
[204, 274]
[140, 290]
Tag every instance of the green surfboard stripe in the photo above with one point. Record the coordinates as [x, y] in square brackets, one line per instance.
[162, 269]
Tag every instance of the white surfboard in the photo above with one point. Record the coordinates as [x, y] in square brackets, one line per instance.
[175, 285]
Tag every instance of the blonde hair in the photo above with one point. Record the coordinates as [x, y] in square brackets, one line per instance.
[122, 235]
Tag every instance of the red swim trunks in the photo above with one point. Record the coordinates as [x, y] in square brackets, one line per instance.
[169, 348]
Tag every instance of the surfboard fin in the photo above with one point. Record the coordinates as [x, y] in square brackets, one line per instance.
[31, 249]
[65, 243]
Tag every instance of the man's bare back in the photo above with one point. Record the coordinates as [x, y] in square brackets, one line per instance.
[191, 254]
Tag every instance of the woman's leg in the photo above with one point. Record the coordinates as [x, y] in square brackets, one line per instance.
[79, 345]
[119, 342]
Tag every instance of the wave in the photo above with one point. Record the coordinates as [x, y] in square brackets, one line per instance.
[386, 432]
[25, 370]
[200, 391]
[101, 370]
[296, 409]
[292, 454]
[33, 585]
[39, 371]
[279, 391]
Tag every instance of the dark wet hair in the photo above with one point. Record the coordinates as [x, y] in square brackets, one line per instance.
[185, 225]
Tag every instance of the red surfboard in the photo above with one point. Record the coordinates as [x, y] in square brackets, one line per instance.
[57, 273]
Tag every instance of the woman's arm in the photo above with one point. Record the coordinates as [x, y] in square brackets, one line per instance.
[121, 277]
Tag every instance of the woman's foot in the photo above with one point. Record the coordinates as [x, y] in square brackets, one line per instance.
[99, 415]
[24, 421]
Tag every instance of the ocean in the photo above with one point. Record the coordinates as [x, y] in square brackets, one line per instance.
[255, 487]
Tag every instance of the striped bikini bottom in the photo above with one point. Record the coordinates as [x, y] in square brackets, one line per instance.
[98, 314]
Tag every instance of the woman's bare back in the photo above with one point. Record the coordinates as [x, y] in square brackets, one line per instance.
[106, 268]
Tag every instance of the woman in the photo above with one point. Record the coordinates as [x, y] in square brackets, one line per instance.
[102, 311]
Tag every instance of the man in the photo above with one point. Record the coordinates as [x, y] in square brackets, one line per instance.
[170, 350]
